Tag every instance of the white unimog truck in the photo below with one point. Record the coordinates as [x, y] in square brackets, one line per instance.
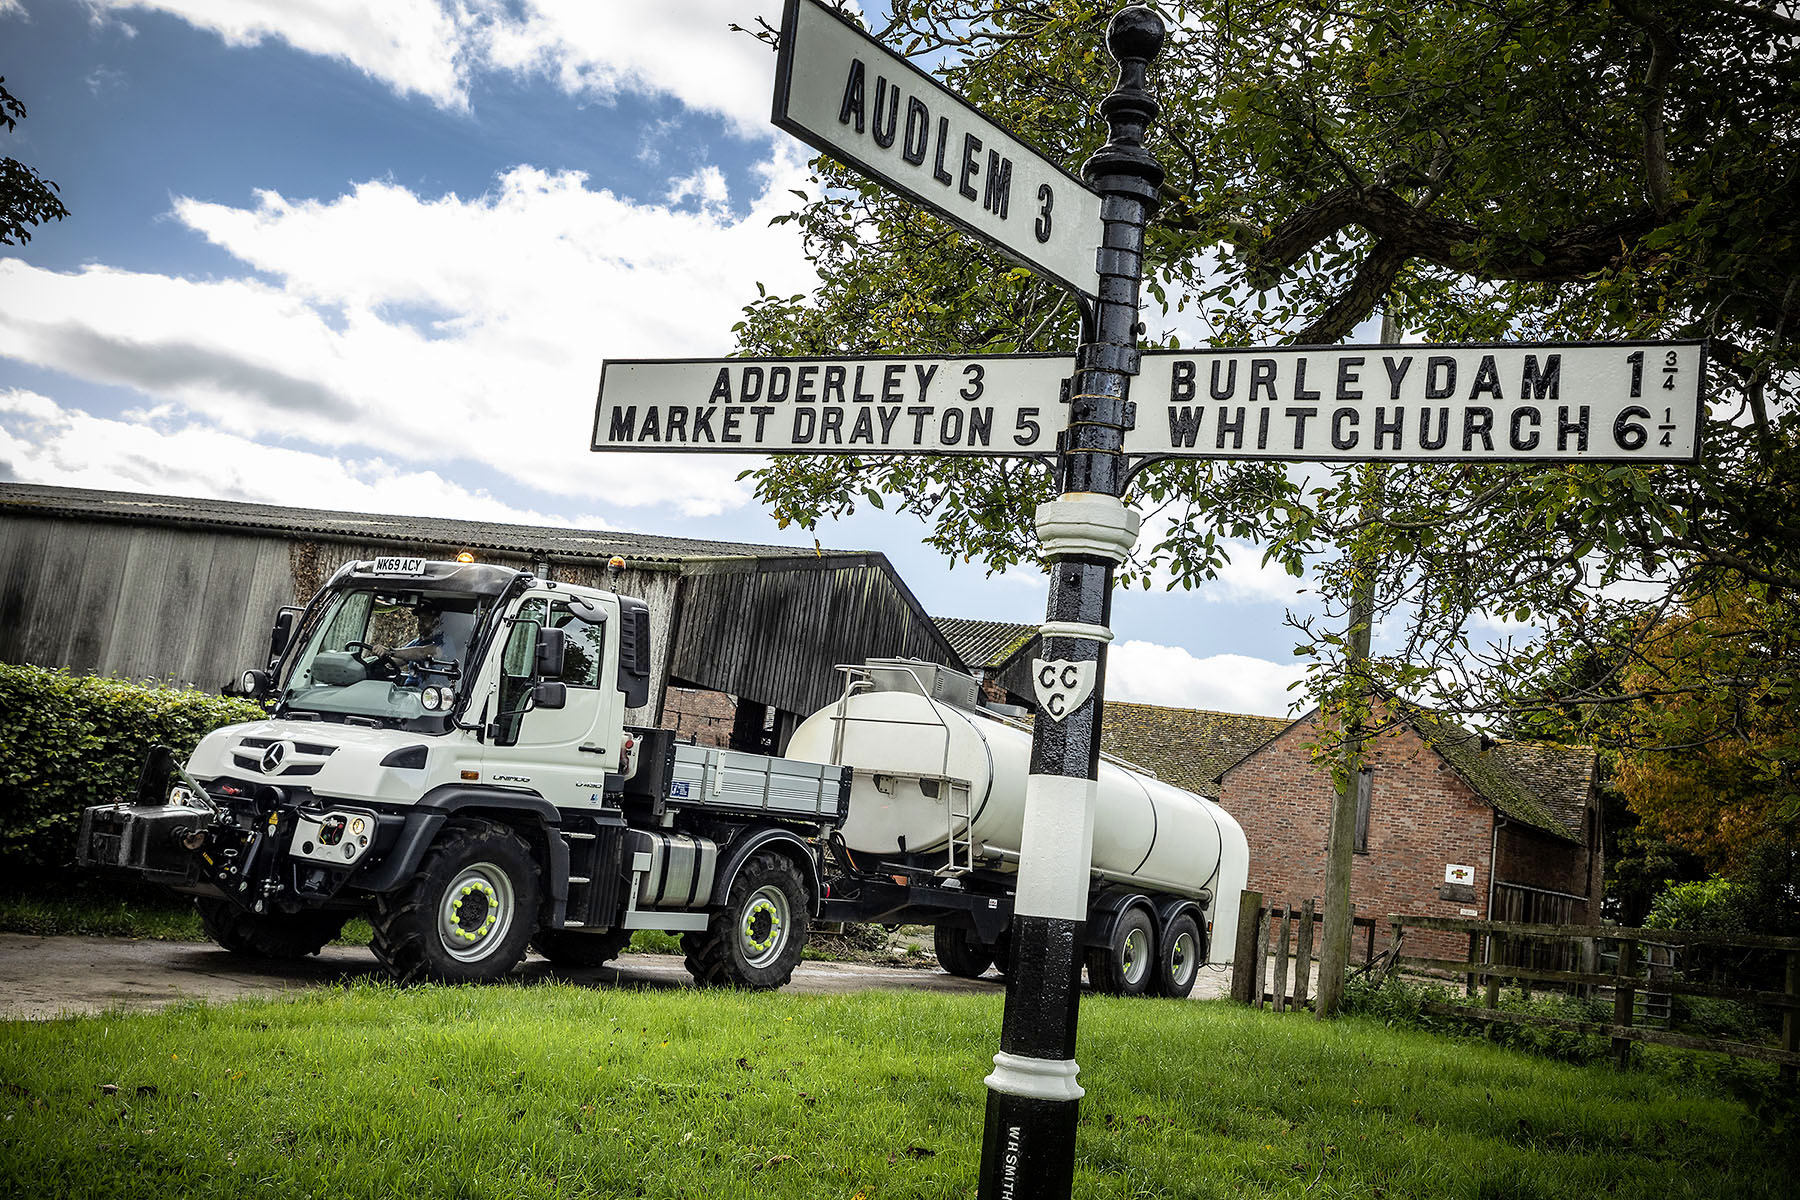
[447, 755]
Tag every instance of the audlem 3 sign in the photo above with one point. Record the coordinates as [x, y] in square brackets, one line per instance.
[1613, 402]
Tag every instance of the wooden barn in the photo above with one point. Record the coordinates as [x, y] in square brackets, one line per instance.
[184, 590]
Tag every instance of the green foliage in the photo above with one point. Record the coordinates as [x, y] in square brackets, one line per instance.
[1478, 170]
[69, 741]
[26, 198]
[555, 1090]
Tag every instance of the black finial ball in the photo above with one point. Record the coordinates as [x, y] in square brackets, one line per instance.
[1135, 32]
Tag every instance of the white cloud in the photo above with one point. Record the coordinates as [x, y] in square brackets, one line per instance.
[416, 47]
[590, 48]
[425, 330]
[1146, 673]
[43, 442]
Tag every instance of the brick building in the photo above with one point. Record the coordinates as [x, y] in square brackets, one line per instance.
[1449, 824]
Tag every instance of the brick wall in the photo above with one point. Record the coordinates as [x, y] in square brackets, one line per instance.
[1422, 817]
[704, 716]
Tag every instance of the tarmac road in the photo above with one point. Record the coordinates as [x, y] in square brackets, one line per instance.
[45, 977]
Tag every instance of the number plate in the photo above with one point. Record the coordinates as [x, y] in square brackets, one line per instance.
[399, 566]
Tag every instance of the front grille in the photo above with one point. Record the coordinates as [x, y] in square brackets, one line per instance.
[317, 749]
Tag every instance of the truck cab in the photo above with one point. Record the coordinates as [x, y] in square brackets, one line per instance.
[446, 752]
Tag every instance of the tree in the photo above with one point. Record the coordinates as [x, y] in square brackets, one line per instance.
[26, 198]
[1721, 711]
[1498, 169]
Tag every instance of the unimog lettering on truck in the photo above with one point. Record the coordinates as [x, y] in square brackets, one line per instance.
[447, 755]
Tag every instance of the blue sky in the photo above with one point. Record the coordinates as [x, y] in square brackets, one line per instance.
[371, 257]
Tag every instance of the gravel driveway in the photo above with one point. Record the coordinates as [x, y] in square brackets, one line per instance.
[42, 977]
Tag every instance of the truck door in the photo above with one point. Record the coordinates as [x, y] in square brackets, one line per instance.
[563, 754]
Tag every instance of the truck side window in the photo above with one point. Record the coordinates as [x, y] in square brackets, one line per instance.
[585, 649]
[517, 658]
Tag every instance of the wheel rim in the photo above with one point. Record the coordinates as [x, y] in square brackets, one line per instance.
[476, 912]
[1182, 961]
[763, 931]
[1133, 962]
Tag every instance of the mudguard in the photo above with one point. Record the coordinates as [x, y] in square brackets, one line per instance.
[741, 850]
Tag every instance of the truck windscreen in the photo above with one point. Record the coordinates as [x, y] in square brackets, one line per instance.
[390, 656]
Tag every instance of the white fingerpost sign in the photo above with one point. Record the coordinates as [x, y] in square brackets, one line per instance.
[840, 90]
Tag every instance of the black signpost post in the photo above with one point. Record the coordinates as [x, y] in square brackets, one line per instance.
[1028, 1144]
[843, 92]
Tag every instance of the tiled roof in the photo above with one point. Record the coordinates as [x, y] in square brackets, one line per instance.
[985, 645]
[1187, 747]
[519, 539]
[1535, 783]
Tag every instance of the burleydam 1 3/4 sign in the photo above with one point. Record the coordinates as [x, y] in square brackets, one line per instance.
[1615, 402]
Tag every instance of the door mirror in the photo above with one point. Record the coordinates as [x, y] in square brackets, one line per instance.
[549, 694]
[282, 631]
[552, 645]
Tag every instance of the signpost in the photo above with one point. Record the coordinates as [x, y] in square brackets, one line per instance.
[1618, 402]
[840, 90]
[844, 93]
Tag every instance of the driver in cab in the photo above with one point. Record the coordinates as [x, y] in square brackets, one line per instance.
[428, 646]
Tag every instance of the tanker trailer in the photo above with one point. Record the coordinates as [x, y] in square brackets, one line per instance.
[936, 813]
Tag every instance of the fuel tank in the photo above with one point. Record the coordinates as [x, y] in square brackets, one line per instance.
[929, 774]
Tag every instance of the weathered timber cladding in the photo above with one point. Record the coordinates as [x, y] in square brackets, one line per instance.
[185, 590]
[775, 634]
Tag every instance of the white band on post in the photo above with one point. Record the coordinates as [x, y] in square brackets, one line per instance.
[1036, 1078]
[1087, 525]
[1075, 629]
[1056, 849]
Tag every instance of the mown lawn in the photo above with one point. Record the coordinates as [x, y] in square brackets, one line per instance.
[561, 1090]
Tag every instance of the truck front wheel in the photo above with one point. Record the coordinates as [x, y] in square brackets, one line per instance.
[959, 953]
[267, 935]
[467, 913]
[1125, 965]
[756, 940]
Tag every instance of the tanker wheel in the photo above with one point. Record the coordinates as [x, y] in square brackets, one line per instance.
[1003, 954]
[468, 912]
[1178, 957]
[574, 948]
[1127, 963]
[267, 935]
[756, 939]
[959, 953]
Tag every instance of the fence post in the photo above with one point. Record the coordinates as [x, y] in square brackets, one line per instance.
[1281, 957]
[1249, 910]
[1474, 957]
[1790, 1020]
[1265, 937]
[1624, 999]
[1495, 944]
[1303, 963]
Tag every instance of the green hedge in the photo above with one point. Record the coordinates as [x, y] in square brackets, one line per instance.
[68, 741]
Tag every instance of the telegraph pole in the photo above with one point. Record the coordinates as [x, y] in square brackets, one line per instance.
[1028, 1144]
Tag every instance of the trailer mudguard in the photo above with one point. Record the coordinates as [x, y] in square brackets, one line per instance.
[790, 843]
[1106, 909]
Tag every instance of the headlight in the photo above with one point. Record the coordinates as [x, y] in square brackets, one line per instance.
[434, 698]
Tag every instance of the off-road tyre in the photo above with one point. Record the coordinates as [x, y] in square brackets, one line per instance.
[573, 948]
[468, 912]
[1126, 965]
[959, 953]
[756, 940]
[1178, 955]
[267, 935]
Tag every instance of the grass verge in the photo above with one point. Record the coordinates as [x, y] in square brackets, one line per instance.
[558, 1090]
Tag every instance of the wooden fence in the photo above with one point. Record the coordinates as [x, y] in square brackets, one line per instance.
[1273, 963]
[1640, 971]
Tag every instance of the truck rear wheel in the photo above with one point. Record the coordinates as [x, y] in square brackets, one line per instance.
[1178, 957]
[1126, 964]
[267, 935]
[467, 913]
[573, 948]
[755, 942]
[959, 953]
